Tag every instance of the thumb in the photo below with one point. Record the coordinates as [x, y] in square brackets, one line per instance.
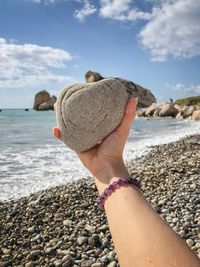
[129, 116]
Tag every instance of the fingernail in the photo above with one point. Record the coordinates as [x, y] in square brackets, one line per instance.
[136, 101]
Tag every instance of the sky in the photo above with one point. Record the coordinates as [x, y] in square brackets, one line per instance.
[47, 44]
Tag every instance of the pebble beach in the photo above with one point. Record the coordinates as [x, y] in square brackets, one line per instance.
[64, 226]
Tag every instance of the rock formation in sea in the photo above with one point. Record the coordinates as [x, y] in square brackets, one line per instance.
[145, 96]
[170, 110]
[43, 101]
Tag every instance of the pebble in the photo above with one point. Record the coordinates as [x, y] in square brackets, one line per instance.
[29, 264]
[112, 264]
[86, 263]
[97, 264]
[81, 240]
[190, 242]
[67, 222]
[175, 220]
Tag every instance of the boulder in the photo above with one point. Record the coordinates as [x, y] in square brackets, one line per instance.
[49, 105]
[145, 96]
[41, 97]
[188, 112]
[150, 110]
[141, 112]
[179, 116]
[196, 115]
[178, 107]
[168, 110]
[156, 113]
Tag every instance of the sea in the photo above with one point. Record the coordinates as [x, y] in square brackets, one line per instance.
[31, 159]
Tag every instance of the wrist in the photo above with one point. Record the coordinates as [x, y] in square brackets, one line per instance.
[111, 172]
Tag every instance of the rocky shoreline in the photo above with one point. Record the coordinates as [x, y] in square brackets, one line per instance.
[64, 227]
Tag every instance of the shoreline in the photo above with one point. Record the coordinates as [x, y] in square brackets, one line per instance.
[63, 226]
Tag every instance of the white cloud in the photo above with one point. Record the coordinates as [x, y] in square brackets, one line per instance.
[122, 10]
[29, 64]
[87, 10]
[172, 26]
[173, 31]
[186, 90]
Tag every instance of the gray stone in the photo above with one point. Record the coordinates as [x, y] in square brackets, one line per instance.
[33, 254]
[6, 251]
[67, 261]
[81, 240]
[87, 113]
[175, 220]
[190, 242]
[86, 263]
[112, 264]
[97, 264]
[67, 222]
[57, 263]
[62, 252]
[29, 264]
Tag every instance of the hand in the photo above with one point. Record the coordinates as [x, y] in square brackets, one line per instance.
[107, 156]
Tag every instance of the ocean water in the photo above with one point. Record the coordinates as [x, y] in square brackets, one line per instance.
[32, 160]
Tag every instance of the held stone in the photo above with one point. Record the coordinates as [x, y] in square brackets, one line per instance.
[87, 113]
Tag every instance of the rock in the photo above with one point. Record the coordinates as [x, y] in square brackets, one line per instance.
[190, 242]
[196, 115]
[41, 97]
[156, 113]
[49, 105]
[150, 110]
[112, 264]
[90, 228]
[81, 240]
[86, 263]
[94, 240]
[67, 260]
[141, 112]
[33, 254]
[188, 112]
[31, 229]
[48, 250]
[6, 251]
[145, 97]
[29, 264]
[97, 264]
[57, 263]
[67, 222]
[92, 76]
[81, 132]
[174, 220]
[88, 112]
[179, 116]
[168, 110]
[62, 252]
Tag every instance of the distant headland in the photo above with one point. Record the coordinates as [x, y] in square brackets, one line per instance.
[185, 108]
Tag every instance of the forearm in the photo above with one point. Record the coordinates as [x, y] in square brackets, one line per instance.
[140, 236]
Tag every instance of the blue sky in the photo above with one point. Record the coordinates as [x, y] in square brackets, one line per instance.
[46, 44]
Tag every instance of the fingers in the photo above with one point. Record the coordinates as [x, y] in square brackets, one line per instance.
[54, 107]
[129, 116]
[56, 133]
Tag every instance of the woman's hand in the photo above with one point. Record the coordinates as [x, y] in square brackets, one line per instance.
[107, 156]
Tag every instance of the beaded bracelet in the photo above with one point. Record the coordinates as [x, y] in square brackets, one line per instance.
[115, 185]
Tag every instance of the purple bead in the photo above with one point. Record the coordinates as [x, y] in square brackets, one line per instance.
[106, 192]
[115, 185]
[111, 187]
